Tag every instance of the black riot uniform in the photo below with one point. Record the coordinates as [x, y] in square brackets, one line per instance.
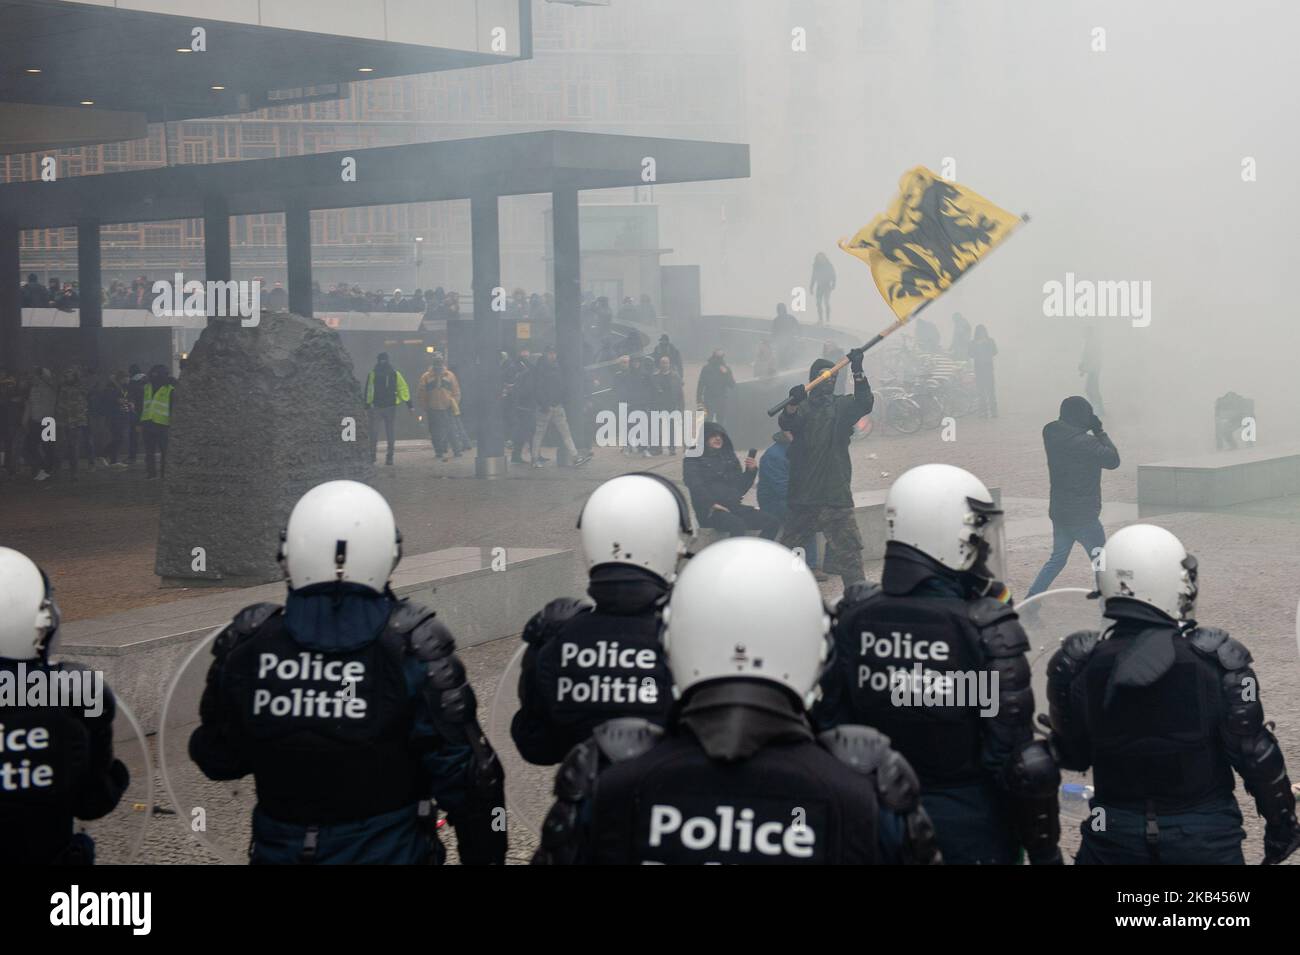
[586, 664]
[942, 671]
[352, 711]
[56, 765]
[1163, 713]
[736, 777]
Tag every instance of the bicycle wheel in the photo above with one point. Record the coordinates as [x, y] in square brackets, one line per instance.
[931, 411]
[904, 415]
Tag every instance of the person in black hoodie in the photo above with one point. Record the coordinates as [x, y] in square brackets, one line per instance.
[548, 393]
[821, 473]
[1163, 710]
[715, 385]
[1078, 450]
[717, 483]
[587, 664]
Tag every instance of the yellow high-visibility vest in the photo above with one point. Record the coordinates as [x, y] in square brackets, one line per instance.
[157, 406]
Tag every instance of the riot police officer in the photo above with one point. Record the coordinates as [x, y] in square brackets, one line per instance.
[935, 658]
[348, 705]
[737, 775]
[586, 664]
[56, 755]
[1164, 710]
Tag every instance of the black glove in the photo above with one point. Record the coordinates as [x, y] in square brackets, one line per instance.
[1094, 425]
[855, 360]
[798, 393]
[1280, 842]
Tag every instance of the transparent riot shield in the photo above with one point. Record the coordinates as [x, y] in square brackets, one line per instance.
[1048, 618]
[529, 788]
[120, 836]
[217, 816]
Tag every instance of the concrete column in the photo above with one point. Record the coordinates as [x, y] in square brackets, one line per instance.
[90, 285]
[485, 246]
[216, 241]
[568, 311]
[297, 242]
[11, 298]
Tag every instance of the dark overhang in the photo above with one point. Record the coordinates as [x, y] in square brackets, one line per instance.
[515, 164]
[128, 61]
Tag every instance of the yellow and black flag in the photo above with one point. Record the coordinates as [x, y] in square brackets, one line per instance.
[933, 231]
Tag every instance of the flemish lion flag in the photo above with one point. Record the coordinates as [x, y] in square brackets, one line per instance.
[933, 232]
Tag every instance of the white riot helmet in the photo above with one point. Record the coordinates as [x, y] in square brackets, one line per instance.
[949, 515]
[340, 531]
[638, 520]
[29, 618]
[747, 607]
[1147, 563]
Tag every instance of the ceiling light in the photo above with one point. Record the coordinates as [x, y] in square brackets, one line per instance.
[87, 102]
[33, 70]
[365, 69]
[218, 87]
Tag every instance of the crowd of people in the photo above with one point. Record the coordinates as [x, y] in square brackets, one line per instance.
[73, 416]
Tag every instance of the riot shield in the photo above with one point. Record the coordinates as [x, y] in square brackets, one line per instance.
[529, 788]
[120, 836]
[1048, 618]
[215, 815]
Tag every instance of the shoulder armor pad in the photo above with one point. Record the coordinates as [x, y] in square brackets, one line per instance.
[859, 747]
[626, 738]
[1207, 640]
[1079, 645]
[408, 615]
[867, 751]
[855, 594]
[1233, 655]
[546, 622]
[986, 611]
[999, 627]
[244, 624]
[431, 640]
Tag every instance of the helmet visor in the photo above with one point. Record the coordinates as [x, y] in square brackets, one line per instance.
[990, 540]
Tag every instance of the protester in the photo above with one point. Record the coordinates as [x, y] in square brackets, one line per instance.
[439, 394]
[1078, 450]
[714, 387]
[774, 489]
[155, 420]
[717, 482]
[385, 390]
[548, 394]
[669, 399]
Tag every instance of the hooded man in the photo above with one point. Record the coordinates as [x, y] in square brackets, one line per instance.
[821, 474]
[717, 482]
[715, 386]
[1077, 452]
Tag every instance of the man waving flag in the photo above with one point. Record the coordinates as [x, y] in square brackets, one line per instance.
[933, 231]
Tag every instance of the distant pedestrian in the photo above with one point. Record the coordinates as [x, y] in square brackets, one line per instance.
[714, 388]
[385, 390]
[983, 350]
[821, 285]
[156, 419]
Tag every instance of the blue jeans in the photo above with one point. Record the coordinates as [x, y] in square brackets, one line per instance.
[1090, 536]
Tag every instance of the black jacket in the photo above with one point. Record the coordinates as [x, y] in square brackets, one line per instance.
[548, 385]
[716, 477]
[715, 381]
[820, 470]
[1075, 459]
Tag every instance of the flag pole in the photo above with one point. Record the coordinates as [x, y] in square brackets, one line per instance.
[893, 326]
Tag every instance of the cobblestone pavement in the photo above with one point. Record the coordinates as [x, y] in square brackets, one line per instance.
[96, 538]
